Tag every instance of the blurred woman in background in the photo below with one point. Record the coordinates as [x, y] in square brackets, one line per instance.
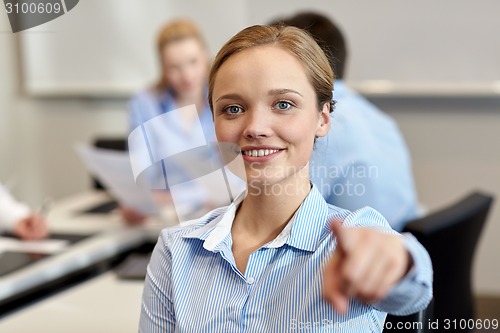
[185, 62]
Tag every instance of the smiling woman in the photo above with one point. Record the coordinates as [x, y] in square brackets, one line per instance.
[269, 260]
[272, 114]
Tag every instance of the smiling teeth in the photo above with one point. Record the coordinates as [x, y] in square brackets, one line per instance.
[260, 152]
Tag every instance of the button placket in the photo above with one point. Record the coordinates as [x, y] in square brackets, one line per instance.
[255, 265]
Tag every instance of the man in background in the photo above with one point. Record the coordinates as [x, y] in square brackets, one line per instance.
[364, 160]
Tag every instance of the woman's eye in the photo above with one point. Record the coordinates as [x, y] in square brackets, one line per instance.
[283, 105]
[233, 109]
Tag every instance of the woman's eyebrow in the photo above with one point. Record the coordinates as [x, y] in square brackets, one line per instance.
[275, 92]
[229, 96]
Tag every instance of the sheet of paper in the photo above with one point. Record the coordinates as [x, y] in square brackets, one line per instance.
[46, 246]
[114, 170]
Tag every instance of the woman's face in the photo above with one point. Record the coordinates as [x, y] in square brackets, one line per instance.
[185, 66]
[263, 102]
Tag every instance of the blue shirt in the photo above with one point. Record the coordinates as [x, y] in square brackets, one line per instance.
[193, 284]
[149, 104]
[364, 161]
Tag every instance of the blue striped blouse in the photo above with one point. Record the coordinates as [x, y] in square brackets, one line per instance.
[193, 285]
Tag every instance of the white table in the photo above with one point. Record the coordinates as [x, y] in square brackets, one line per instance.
[101, 304]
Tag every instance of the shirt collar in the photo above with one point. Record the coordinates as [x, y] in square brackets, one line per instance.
[304, 231]
[309, 222]
[166, 100]
[214, 232]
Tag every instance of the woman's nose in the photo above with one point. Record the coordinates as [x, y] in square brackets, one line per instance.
[258, 124]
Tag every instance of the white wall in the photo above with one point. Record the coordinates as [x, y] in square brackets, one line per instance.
[36, 136]
[122, 42]
[455, 148]
[411, 46]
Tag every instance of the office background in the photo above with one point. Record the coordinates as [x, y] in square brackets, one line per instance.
[453, 139]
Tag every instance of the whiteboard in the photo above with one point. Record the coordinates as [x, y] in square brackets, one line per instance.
[106, 47]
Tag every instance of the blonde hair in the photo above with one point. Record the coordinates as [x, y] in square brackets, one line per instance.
[175, 31]
[294, 40]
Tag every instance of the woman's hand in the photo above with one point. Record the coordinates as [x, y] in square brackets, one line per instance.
[365, 264]
[31, 227]
[131, 216]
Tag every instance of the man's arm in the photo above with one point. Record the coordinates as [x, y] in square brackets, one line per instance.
[11, 211]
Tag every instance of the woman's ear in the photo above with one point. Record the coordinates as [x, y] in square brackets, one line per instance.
[324, 121]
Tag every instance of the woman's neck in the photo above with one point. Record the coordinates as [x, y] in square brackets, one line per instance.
[266, 210]
[197, 99]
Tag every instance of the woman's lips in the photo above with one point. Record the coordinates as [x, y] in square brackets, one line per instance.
[260, 154]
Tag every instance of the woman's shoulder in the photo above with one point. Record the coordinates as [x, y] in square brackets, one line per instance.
[177, 232]
[147, 95]
[363, 217]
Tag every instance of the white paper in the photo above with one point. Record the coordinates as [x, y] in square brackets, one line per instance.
[114, 170]
[46, 246]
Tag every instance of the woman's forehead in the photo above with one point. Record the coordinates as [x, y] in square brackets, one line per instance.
[262, 69]
[182, 46]
[267, 64]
